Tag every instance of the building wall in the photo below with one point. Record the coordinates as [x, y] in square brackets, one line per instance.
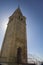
[15, 37]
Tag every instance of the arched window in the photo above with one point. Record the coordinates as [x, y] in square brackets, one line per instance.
[19, 51]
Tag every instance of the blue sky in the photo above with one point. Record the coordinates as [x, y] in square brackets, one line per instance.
[33, 10]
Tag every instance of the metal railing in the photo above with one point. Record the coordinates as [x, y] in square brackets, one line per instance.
[12, 60]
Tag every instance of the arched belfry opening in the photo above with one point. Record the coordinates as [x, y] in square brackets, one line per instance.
[19, 55]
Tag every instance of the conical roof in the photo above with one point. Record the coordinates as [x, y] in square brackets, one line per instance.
[18, 10]
[16, 13]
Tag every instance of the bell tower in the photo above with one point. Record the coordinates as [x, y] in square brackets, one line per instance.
[14, 46]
